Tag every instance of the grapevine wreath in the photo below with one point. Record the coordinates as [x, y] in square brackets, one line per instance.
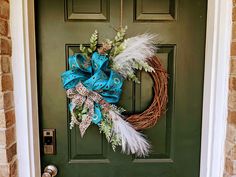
[94, 82]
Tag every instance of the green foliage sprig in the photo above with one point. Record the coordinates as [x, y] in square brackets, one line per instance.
[143, 66]
[93, 42]
[132, 77]
[139, 66]
[106, 128]
[87, 51]
[118, 44]
[81, 113]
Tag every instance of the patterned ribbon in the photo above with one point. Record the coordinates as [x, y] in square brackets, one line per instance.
[81, 96]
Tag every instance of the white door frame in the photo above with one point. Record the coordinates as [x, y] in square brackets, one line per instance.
[218, 39]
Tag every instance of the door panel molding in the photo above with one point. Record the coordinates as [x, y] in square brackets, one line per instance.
[96, 12]
[216, 83]
[79, 152]
[143, 14]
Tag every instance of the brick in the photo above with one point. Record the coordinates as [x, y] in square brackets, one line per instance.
[232, 100]
[10, 136]
[232, 83]
[6, 100]
[229, 149]
[233, 65]
[2, 119]
[4, 27]
[6, 82]
[233, 31]
[5, 170]
[10, 118]
[232, 117]
[5, 64]
[6, 155]
[231, 133]
[4, 9]
[8, 170]
[226, 175]
[13, 169]
[228, 166]
[234, 167]
[234, 14]
[3, 155]
[3, 138]
[7, 137]
[5, 46]
[7, 118]
[11, 152]
[233, 152]
[233, 49]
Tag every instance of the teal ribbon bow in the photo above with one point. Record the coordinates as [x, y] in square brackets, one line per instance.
[95, 76]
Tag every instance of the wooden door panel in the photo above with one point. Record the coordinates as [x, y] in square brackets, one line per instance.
[90, 149]
[84, 10]
[161, 10]
[62, 25]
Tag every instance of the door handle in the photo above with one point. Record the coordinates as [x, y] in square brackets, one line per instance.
[50, 171]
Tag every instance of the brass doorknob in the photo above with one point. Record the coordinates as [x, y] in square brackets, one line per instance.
[50, 171]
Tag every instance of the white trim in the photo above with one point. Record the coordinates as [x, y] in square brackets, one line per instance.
[25, 87]
[217, 55]
[215, 87]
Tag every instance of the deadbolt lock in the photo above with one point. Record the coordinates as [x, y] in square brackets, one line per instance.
[49, 141]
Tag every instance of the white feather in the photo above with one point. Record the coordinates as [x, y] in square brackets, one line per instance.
[132, 141]
[137, 50]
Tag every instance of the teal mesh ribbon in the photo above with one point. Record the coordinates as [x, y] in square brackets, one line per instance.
[97, 77]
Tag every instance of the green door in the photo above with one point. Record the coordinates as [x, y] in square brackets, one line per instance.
[62, 25]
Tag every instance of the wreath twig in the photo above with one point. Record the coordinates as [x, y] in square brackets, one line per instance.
[150, 116]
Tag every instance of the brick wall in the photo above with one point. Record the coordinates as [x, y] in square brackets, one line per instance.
[8, 163]
[230, 149]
